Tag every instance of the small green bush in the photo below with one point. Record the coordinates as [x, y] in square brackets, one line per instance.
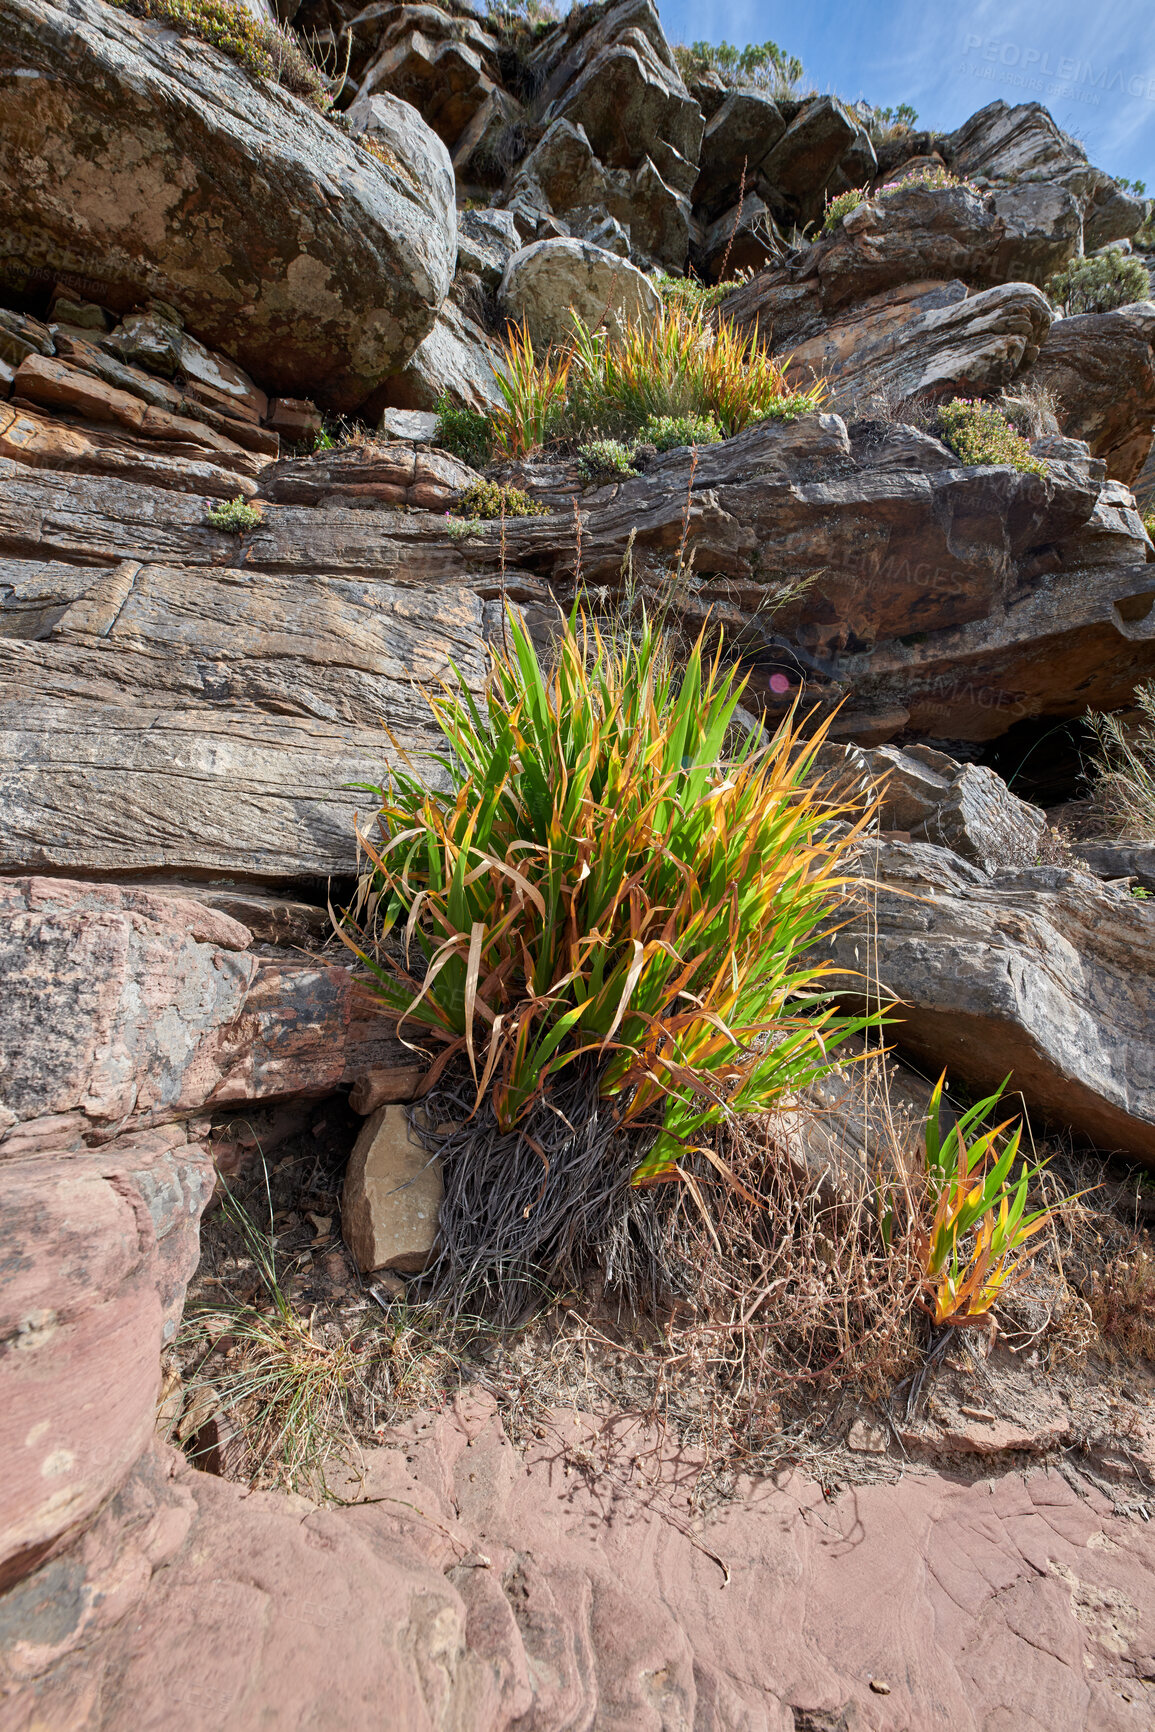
[264, 50]
[689, 292]
[603, 458]
[234, 516]
[486, 500]
[465, 434]
[758, 66]
[1097, 284]
[978, 434]
[1149, 523]
[837, 208]
[667, 432]
[461, 528]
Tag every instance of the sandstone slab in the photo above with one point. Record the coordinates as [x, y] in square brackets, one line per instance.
[1043, 972]
[927, 341]
[490, 1589]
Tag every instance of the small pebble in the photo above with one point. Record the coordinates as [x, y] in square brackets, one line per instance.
[880, 1686]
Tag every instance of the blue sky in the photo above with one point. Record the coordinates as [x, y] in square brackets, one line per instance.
[1092, 65]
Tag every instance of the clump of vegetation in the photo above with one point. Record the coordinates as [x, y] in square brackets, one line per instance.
[234, 516]
[758, 66]
[1138, 187]
[933, 178]
[614, 921]
[692, 292]
[837, 208]
[610, 384]
[462, 528]
[1100, 283]
[979, 434]
[975, 1241]
[1123, 770]
[900, 119]
[668, 432]
[1149, 524]
[264, 50]
[485, 500]
[283, 1384]
[603, 458]
[465, 434]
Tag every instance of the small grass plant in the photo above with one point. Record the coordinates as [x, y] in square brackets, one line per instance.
[465, 433]
[837, 208]
[233, 516]
[1123, 767]
[605, 459]
[976, 1240]
[979, 434]
[668, 432]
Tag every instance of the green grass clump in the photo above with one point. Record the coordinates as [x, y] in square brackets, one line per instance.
[603, 878]
[608, 384]
[234, 516]
[264, 50]
[979, 434]
[1098, 284]
[462, 528]
[603, 458]
[693, 293]
[837, 208]
[1123, 770]
[485, 500]
[465, 434]
[668, 432]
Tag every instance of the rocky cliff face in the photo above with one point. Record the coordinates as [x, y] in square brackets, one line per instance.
[195, 263]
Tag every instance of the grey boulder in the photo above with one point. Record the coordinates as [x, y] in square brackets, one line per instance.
[162, 169]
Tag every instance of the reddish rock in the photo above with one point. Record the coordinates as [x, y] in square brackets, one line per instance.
[479, 1588]
[98, 1249]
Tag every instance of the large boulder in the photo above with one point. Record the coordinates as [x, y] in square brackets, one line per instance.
[930, 797]
[1042, 972]
[926, 341]
[98, 1249]
[738, 137]
[913, 233]
[457, 362]
[799, 165]
[155, 166]
[1013, 144]
[562, 176]
[545, 282]
[442, 64]
[1044, 230]
[1100, 368]
[612, 72]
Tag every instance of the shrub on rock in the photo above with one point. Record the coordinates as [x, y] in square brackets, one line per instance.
[979, 434]
[1100, 284]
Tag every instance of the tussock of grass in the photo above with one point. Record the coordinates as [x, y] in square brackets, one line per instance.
[1123, 768]
[264, 50]
[616, 929]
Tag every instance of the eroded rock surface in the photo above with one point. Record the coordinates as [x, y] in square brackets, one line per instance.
[475, 1588]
